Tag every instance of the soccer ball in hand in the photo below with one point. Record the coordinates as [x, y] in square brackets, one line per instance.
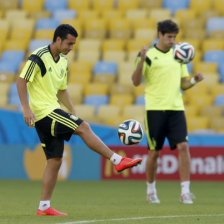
[183, 52]
[130, 132]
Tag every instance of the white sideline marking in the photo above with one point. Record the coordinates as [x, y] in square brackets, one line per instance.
[139, 218]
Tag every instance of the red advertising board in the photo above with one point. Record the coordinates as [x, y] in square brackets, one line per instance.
[207, 163]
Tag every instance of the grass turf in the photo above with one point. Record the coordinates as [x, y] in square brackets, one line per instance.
[104, 201]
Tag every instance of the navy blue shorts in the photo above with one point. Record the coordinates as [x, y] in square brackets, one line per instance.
[54, 129]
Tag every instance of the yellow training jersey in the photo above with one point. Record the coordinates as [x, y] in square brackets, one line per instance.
[162, 76]
[45, 77]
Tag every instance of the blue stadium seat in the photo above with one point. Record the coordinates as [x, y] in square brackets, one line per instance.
[215, 23]
[96, 100]
[14, 97]
[47, 24]
[52, 5]
[140, 100]
[219, 100]
[8, 67]
[103, 67]
[34, 44]
[190, 67]
[174, 5]
[63, 14]
[221, 72]
[214, 56]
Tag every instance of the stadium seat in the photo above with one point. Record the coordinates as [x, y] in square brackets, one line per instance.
[134, 14]
[88, 14]
[95, 28]
[160, 14]
[150, 4]
[206, 14]
[34, 44]
[144, 23]
[9, 4]
[214, 56]
[117, 88]
[103, 5]
[13, 96]
[221, 72]
[197, 123]
[139, 90]
[136, 44]
[213, 24]
[175, 5]
[44, 34]
[212, 44]
[47, 24]
[96, 101]
[113, 44]
[15, 14]
[86, 112]
[194, 33]
[217, 124]
[103, 67]
[23, 24]
[96, 89]
[81, 78]
[219, 5]
[15, 45]
[205, 67]
[89, 56]
[14, 57]
[111, 14]
[185, 14]
[40, 14]
[114, 56]
[32, 6]
[79, 4]
[7, 78]
[140, 100]
[216, 34]
[76, 92]
[201, 100]
[4, 29]
[148, 34]
[52, 5]
[107, 111]
[22, 35]
[89, 44]
[211, 111]
[62, 14]
[133, 111]
[201, 5]
[121, 99]
[127, 4]
[219, 100]
[79, 67]
[4, 87]
[191, 110]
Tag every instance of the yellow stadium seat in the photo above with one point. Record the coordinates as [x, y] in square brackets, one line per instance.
[117, 88]
[126, 68]
[201, 100]
[217, 124]
[134, 14]
[95, 28]
[191, 110]
[185, 14]
[200, 5]
[23, 24]
[44, 34]
[195, 33]
[96, 89]
[194, 24]
[79, 4]
[89, 44]
[217, 89]
[8, 78]
[39, 15]
[196, 123]
[120, 28]
[4, 87]
[217, 34]
[1, 14]
[115, 121]
[86, 112]
[160, 14]
[206, 14]
[103, 5]
[144, 23]
[219, 5]
[121, 99]
[104, 78]
[113, 45]
[139, 90]
[131, 56]
[15, 14]
[16, 45]
[133, 111]
[89, 56]
[211, 111]
[127, 4]
[81, 78]
[4, 30]
[88, 14]
[151, 4]
[114, 56]
[8, 4]
[211, 79]
[205, 67]
[137, 44]
[79, 67]
[21, 34]
[111, 14]
[76, 92]
[148, 34]
[107, 111]
[212, 44]
[32, 6]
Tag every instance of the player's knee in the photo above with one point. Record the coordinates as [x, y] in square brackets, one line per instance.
[84, 127]
[154, 155]
[182, 146]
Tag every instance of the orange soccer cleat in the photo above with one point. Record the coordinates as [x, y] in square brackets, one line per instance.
[127, 163]
[50, 211]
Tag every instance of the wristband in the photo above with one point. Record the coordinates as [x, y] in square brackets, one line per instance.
[193, 81]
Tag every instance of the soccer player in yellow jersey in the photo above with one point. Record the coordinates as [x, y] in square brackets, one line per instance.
[164, 78]
[45, 77]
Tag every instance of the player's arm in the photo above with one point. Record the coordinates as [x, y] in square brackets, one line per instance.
[28, 115]
[187, 83]
[137, 75]
[64, 98]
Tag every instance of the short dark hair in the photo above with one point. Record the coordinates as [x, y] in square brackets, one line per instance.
[167, 26]
[63, 30]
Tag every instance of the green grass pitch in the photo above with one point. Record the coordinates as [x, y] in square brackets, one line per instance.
[112, 202]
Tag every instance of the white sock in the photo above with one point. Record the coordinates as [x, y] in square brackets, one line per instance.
[44, 205]
[115, 159]
[185, 187]
[151, 187]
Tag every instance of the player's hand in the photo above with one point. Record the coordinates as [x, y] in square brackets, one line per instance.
[29, 118]
[143, 53]
[198, 77]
